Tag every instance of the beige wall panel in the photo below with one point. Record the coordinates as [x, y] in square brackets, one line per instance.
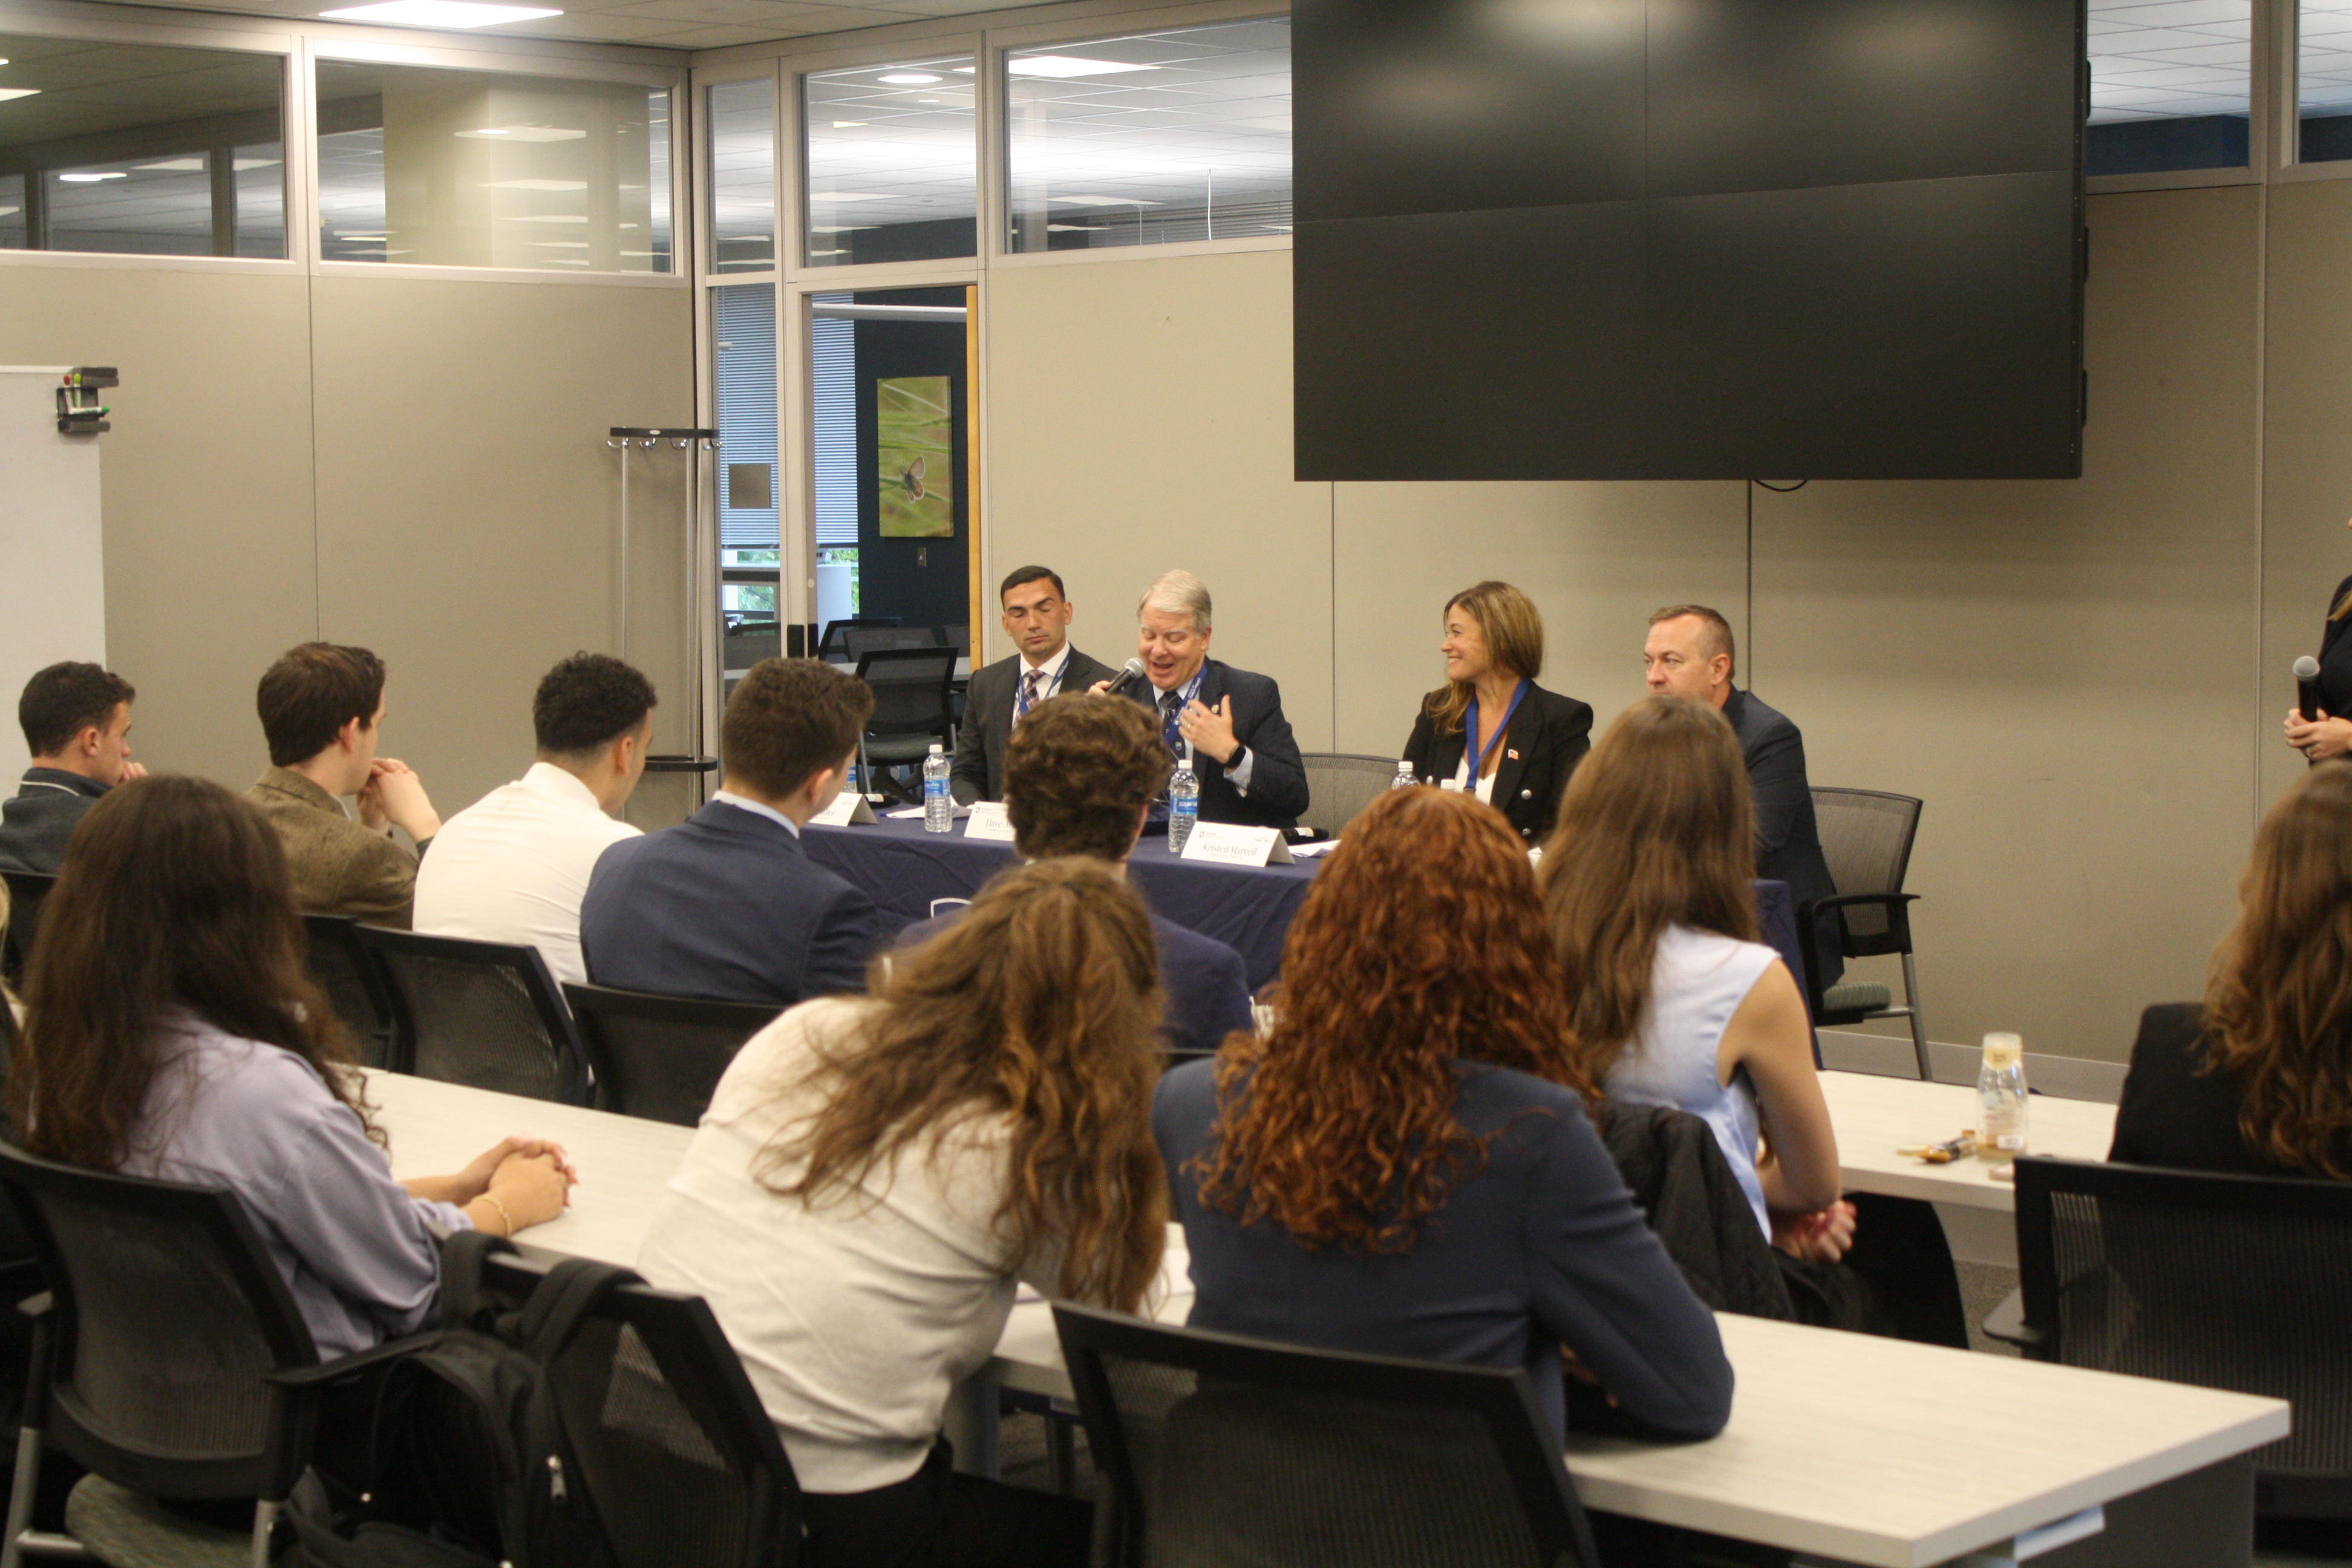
[2307, 445]
[1138, 419]
[1596, 559]
[207, 476]
[2061, 670]
[469, 507]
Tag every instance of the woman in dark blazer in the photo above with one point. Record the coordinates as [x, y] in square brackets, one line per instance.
[2330, 734]
[1526, 741]
[2259, 1078]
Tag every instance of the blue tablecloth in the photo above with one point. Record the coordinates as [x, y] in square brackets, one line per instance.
[904, 868]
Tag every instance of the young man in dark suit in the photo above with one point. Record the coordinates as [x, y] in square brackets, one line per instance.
[727, 906]
[1689, 654]
[1243, 750]
[76, 724]
[1037, 620]
[1080, 776]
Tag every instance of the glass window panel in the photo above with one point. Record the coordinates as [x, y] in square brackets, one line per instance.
[890, 159]
[743, 328]
[135, 149]
[2324, 81]
[2168, 85]
[1150, 139]
[458, 168]
[261, 184]
[742, 176]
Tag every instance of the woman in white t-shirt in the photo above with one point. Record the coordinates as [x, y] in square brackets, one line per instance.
[1648, 881]
[875, 1176]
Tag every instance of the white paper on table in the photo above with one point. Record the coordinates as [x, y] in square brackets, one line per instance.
[1323, 847]
[847, 810]
[988, 821]
[1229, 844]
[907, 813]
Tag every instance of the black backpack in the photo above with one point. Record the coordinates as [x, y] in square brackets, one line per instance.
[465, 1460]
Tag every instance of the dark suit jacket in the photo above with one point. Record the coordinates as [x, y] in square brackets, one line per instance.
[2175, 1113]
[1207, 985]
[987, 704]
[1541, 1247]
[726, 907]
[1278, 779]
[1549, 736]
[1788, 841]
[34, 826]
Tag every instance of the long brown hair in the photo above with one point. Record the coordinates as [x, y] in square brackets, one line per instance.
[173, 897]
[1041, 1006]
[1419, 946]
[1656, 829]
[1512, 628]
[2278, 1001]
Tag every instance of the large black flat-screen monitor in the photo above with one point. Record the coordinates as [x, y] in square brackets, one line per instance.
[1688, 239]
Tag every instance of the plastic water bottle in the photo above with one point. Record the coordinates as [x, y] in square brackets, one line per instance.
[939, 807]
[2001, 1098]
[1405, 777]
[1183, 802]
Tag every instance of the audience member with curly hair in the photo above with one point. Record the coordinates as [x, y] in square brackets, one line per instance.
[1403, 1166]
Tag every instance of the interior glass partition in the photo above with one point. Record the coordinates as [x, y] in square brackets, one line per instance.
[891, 157]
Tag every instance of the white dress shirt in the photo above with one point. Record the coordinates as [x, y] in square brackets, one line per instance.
[514, 866]
[756, 808]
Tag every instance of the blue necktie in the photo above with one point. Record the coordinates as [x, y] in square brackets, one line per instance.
[1171, 703]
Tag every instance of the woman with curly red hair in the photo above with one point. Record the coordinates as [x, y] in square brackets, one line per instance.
[1403, 1166]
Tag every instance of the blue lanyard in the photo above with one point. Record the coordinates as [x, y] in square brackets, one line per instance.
[1480, 754]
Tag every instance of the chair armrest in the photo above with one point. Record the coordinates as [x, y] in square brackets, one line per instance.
[296, 1395]
[2007, 1323]
[1896, 905]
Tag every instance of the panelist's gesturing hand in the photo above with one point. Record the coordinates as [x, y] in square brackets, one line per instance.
[1210, 730]
[2319, 738]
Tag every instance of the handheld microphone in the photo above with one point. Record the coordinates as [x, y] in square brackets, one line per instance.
[1133, 672]
[2307, 681]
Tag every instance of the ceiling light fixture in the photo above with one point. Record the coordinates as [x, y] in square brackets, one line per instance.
[536, 185]
[172, 166]
[8, 92]
[437, 13]
[908, 79]
[91, 179]
[526, 134]
[848, 124]
[1067, 66]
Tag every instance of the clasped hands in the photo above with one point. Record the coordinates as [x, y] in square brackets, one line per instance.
[1822, 1236]
[2318, 739]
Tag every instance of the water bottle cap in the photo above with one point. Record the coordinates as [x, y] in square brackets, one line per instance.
[935, 748]
[2003, 1047]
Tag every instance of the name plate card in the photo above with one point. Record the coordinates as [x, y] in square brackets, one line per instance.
[1228, 844]
[848, 810]
[988, 821]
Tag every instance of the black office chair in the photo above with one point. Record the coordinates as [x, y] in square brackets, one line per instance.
[483, 1013]
[859, 641]
[1340, 785]
[912, 705]
[660, 1056]
[1867, 838]
[746, 642]
[1213, 1448]
[956, 638]
[26, 889]
[834, 644]
[683, 1462]
[153, 1350]
[2224, 1282]
[343, 967]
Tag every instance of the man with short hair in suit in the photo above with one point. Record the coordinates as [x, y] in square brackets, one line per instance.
[727, 907]
[76, 724]
[1037, 618]
[1689, 654]
[1079, 778]
[1243, 750]
[322, 708]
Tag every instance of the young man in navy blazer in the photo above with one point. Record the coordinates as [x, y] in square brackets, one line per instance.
[726, 906]
[1080, 774]
[1243, 750]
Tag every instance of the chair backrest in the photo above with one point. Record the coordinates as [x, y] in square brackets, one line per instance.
[660, 1056]
[859, 641]
[958, 637]
[1218, 1449]
[748, 642]
[832, 646]
[1339, 785]
[26, 891]
[349, 974]
[2224, 1282]
[685, 1466]
[1866, 839]
[910, 689]
[483, 1013]
[163, 1399]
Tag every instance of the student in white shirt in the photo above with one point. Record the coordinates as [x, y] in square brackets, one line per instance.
[874, 1175]
[514, 866]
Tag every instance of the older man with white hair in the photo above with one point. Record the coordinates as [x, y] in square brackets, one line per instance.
[1243, 750]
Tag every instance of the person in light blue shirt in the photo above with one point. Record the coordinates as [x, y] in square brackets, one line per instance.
[172, 1032]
